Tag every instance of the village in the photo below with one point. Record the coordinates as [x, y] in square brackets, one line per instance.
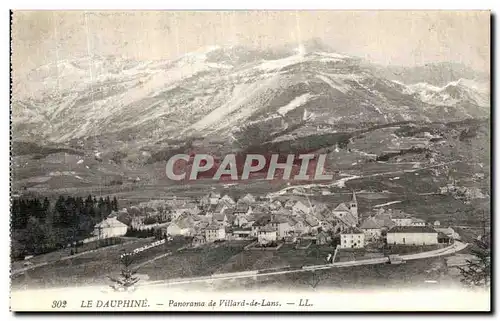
[270, 223]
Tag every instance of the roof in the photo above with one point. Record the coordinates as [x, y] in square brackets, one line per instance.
[352, 230]
[267, 229]
[417, 220]
[214, 226]
[442, 235]
[412, 229]
[262, 221]
[385, 220]
[283, 211]
[398, 214]
[242, 207]
[371, 223]
[220, 207]
[220, 217]
[279, 219]
[341, 208]
[311, 220]
[184, 223]
[445, 230]
[110, 223]
[227, 198]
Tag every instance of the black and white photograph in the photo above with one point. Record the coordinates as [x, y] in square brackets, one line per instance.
[250, 160]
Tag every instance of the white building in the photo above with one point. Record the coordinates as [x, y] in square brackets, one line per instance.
[110, 227]
[417, 222]
[450, 232]
[352, 237]
[412, 235]
[215, 232]
[300, 207]
[372, 228]
[401, 219]
[181, 227]
[267, 235]
[281, 225]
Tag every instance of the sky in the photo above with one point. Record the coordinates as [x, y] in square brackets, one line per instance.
[387, 37]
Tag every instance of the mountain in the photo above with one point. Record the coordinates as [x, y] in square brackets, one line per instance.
[437, 74]
[216, 92]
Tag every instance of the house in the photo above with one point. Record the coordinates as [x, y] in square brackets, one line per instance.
[200, 227]
[322, 238]
[242, 208]
[352, 237]
[226, 199]
[400, 218]
[242, 233]
[412, 235]
[417, 222]
[372, 228]
[267, 235]
[249, 199]
[259, 224]
[386, 221]
[289, 204]
[300, 208]
[110, 227]
[220, 208]
[298, 225]
[281, 224]
[215, 232]
[443, 238]
[198, 240]
[182, 226]
[448, 231]
[221, 219]
[210, 199]
[275, 205]
[312, 222]
[243, 219]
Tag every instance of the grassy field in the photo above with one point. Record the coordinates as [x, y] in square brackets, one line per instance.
[201, 261]
[410, 274]
[57, 255]
[89, 268]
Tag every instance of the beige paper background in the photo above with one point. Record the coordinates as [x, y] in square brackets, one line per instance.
[345, 300]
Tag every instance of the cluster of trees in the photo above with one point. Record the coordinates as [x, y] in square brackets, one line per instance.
[41, 226]
[144, 233]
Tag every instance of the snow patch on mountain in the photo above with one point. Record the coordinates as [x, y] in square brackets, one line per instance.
[452, 93]
[277, 64]
[295, 103]
[335, 84]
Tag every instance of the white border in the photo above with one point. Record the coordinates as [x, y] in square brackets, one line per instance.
[179, 5]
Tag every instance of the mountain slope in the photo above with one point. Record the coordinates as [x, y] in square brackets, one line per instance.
[217, 91]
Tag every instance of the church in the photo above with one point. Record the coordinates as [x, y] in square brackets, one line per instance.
[347, 213]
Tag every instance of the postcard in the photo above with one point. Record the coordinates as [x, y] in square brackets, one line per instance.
[292, 160]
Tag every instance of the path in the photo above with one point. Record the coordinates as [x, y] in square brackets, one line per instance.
[341, 182]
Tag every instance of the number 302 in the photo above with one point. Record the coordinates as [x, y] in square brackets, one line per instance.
[59, 304]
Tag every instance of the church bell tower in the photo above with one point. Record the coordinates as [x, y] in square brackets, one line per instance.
[353, 207]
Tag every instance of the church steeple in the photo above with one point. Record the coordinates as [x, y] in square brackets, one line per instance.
[353, 207]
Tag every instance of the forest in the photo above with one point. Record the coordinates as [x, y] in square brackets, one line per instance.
[39, 226]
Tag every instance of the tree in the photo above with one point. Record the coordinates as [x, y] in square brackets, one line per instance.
[127, 279]
[315, 278]
[477, 271]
